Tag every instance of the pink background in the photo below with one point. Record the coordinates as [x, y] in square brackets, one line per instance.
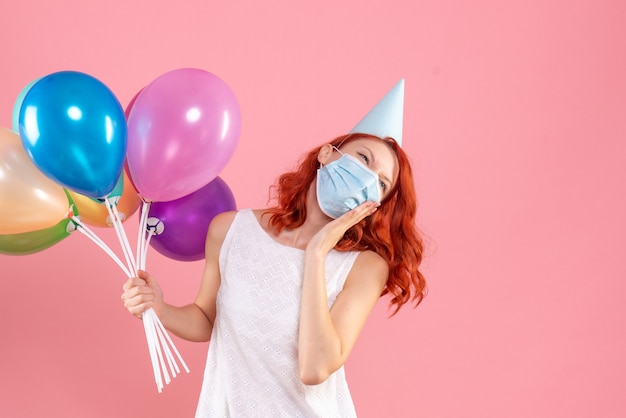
[514, 120]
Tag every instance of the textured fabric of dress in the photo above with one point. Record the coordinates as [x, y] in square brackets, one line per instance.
[252, 363]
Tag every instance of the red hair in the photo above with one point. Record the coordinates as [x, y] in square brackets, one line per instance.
[390, 232]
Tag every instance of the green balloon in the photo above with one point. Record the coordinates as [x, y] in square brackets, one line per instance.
[71, 204]
[35, 241]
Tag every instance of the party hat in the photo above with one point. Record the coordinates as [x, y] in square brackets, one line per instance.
[385, 119]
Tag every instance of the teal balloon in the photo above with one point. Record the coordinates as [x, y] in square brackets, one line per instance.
[119, 187]
[116, 192]
[74, 130]
[18, 105]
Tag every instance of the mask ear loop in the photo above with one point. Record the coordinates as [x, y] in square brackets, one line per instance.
[337, 149]
[341, 143]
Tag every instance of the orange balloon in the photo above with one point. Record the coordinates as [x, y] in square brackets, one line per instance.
[95, 214]
[29, 201]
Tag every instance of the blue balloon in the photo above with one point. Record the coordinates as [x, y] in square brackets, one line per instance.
[74, 130]
[116, 192]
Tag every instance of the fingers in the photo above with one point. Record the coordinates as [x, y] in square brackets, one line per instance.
[137, 295]
[138, 310]
[136, 289]
[327, 237]
[133, 282]
[359, 213]
[138, 299]
[367, 208]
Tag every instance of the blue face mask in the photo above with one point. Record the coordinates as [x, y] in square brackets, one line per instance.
[344, 184]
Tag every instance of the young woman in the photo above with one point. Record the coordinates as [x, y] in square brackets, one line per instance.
[286, 290]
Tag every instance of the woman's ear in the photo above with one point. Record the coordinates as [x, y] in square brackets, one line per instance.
[325, 153]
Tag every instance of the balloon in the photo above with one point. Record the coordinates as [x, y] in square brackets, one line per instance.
[131, 103]
[94, 212]
[182, 130]
[74, 130]
[18, 104]
[185, 221]
[35, 241]
[127, 113]
[29, 201]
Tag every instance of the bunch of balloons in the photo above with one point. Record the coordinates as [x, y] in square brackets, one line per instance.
[73, 145]
[75, 158]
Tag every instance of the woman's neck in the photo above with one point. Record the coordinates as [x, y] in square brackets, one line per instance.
[299, 237]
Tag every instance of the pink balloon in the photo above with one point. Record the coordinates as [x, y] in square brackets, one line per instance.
[182, 130]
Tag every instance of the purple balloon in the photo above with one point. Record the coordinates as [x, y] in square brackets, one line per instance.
[186, 220]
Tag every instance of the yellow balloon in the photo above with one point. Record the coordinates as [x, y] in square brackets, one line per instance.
[29, 201]
[95, 214]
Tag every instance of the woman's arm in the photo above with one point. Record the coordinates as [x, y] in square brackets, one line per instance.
[326, 338]
[193, 322]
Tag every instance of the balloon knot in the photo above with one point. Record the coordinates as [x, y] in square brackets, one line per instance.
[70, 212]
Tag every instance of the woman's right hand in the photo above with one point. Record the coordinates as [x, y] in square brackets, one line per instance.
[141, 293]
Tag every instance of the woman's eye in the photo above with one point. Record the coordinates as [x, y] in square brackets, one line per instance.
[364, 157]
[383, 186]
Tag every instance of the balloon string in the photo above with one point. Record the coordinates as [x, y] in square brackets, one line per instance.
[146, 242]
[142, 232]
[147, 325]
[167, 352]
[121, 235]
[121, 228]
[129, 263]
[157, 337]
[169, 339]
[144, 255]
[159, 348]
[84, 229]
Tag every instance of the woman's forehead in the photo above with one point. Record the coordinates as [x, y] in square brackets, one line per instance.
[381, 152]
[375, 144]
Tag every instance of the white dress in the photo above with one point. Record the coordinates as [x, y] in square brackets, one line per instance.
[252, 364]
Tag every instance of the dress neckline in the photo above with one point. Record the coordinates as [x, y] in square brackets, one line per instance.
[257, 222]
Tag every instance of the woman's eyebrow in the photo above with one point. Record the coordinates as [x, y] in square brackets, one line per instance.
[383, 176]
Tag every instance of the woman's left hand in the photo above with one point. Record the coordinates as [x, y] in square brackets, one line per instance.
[326, 337]
[327, 237]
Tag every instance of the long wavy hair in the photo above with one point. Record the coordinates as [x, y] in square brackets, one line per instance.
[391, 231]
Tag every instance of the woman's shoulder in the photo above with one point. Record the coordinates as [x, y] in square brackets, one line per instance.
[369, 268]
[220, 224]
[224, 217]
[369, 259]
